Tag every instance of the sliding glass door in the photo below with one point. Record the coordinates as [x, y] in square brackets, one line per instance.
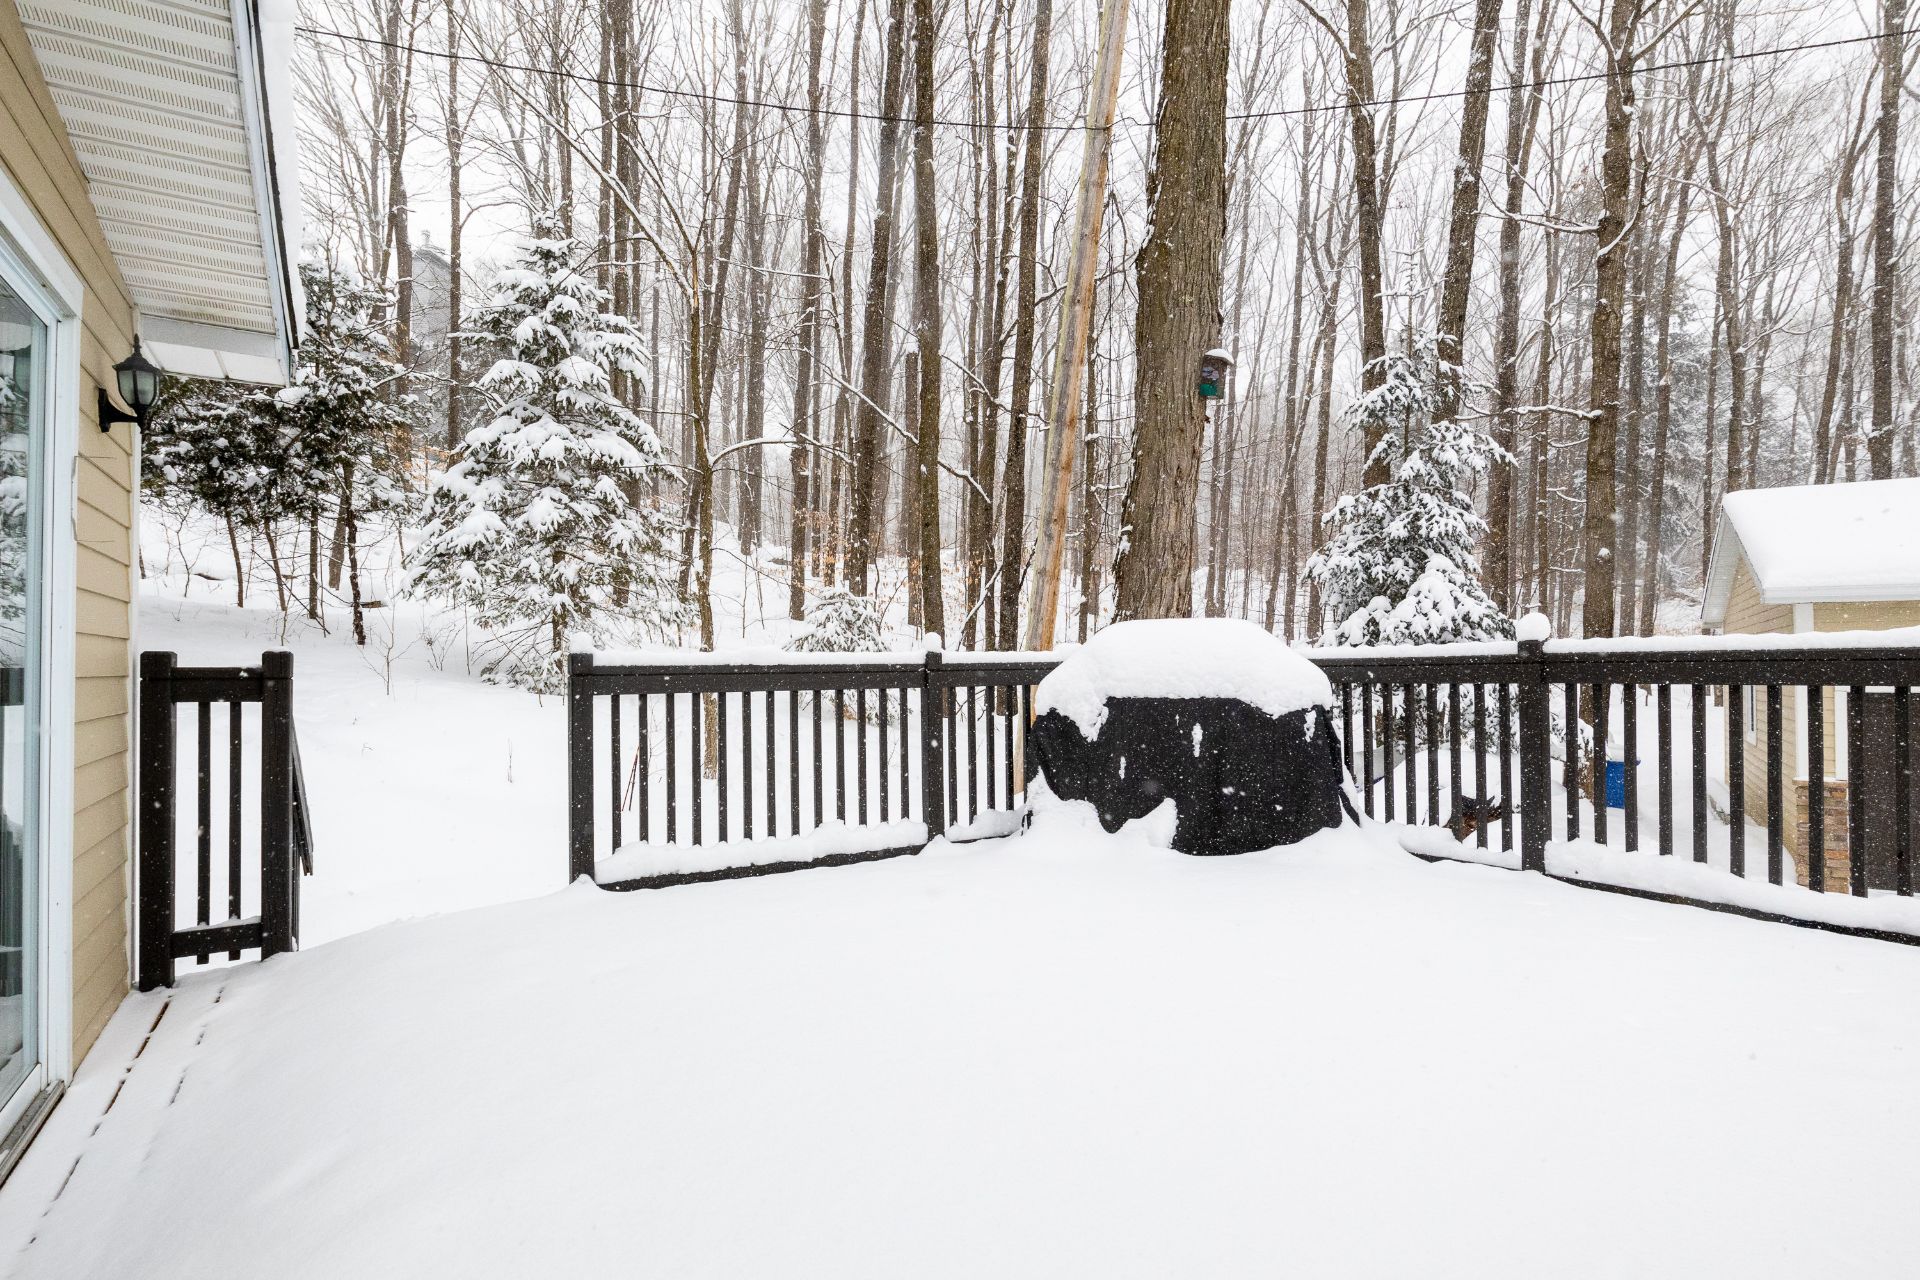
[25, 406]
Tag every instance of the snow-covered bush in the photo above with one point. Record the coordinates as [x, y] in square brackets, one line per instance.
[330, 445]
[538, 525]
[840, 622]
[1400, 566]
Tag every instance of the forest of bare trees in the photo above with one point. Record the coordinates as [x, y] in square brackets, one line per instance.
[1654, 243]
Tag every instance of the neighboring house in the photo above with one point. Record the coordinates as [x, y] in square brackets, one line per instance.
[139, 197]
[1819, 558]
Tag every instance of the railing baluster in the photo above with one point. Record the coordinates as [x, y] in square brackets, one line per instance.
[1630, 753]
[886, 773]
[643, 768]
[1602, 695]
[860, 754]
[1011, 702]
[950, 708]
[1856, 794]
[840, 755]
[1455, 739]
[673, 770]
[906, 758]
[613, 767]
[1409, 728]
[1698, 694]
[1366, 744]
[203, 898]
[696, 773]
[793, 762]
[1663, 712]
[746, 766]
[1902, 792]
[1480, 764]
[991, 734]
[973, 754]
[1431, 707]
[1570, 756]
[1387, 740]
[1737, 780]
[773, 801]
[236, 769]
[1346, 726]
[1506, 769]
[819, 759]
[1776, 793]
[721, 760]
[1816, 850]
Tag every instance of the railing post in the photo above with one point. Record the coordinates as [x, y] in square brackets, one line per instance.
[580, 766]
[1536, 770]
[155, 965]
[278, 875]
[933, 790]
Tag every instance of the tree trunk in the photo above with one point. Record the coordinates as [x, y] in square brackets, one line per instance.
[1523, 112]
[1617, 195]
[1463, 221]
[1013, 502]
[1179, 268]
[812, 263]
[877, 320]
[1886, 253]
[1368, 216]
[926, 306]
[455, 225]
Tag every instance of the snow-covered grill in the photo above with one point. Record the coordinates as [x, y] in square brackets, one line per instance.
[1215, 716]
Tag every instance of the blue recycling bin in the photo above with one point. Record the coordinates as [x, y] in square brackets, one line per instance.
[1616, 784]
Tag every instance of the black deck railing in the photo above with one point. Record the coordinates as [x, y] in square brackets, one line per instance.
[676, 757]
[1790, 764]
[279, 841]
[1546, 716]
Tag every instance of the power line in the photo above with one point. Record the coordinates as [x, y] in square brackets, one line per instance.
[1530, 86]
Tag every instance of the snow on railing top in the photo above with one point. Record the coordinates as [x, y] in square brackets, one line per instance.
[763, 656]
[1895, 638]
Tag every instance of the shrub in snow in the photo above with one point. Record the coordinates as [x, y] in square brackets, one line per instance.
[840, 622]
[330, 444]
[1400, 566]
[538, 526]
[1216, 716]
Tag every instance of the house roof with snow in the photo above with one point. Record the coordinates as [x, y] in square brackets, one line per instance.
[1818, 543]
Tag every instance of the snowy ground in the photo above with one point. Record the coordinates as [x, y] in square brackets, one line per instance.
[1047, 1055]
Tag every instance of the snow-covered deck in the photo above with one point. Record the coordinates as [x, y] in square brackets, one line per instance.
[1049, 1055]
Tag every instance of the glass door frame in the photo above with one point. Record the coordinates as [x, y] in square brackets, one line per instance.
[35, 268]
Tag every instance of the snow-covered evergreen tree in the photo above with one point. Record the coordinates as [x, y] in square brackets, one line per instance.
[840, 622]
[1400, 566]
[329, 445]
[532, 526]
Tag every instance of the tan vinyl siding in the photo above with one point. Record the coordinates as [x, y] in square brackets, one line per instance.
[1748, 614]
[41, 163]
[1866, 615]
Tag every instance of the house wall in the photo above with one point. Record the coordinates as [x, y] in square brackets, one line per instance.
[42, 165]
[1748, 614]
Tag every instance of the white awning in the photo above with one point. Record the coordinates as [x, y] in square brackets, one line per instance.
[170, 105]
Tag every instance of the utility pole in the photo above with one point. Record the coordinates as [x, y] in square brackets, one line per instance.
[1076, 320]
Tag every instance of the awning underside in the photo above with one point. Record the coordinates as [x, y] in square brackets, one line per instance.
[163, 102]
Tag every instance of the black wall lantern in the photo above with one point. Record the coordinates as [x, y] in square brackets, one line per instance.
[1215, 367]
[139, 384]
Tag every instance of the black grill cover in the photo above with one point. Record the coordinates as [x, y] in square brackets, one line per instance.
[1247, 780]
